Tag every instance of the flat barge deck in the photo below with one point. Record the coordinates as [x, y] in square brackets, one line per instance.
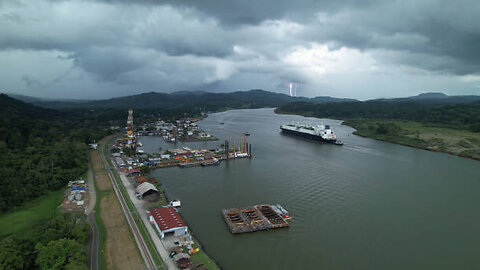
[253, 218]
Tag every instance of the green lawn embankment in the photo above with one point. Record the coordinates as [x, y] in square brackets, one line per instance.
[26, 216]
[459, 142]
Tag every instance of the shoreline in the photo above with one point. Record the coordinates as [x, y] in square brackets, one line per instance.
[410, 142]
[404, 134]
[412, 146]
[196, 239]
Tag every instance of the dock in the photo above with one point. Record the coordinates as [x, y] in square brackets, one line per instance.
[253, 218]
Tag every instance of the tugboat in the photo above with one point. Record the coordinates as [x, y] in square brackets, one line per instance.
[175, 203]
[322, 133]
[281, 211]
[213, 162]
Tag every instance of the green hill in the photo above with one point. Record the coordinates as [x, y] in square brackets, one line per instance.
[40, 149]
[205, 101]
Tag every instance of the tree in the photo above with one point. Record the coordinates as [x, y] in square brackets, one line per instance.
[144, 169]
[80, 232]
[128, 151]
[11, 256]
[57, 254]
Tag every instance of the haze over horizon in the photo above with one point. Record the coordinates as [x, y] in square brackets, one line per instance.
[373, 49]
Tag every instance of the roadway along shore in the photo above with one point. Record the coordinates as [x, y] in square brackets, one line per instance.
[143, 215]
[93, 241]
[142, 246]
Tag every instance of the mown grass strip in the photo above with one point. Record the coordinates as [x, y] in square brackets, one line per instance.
[26, 216]
[102, 262]
[141, 226]
[201, 258]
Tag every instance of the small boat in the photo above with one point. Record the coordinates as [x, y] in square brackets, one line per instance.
[175, 203]
[189, 164]
[246, 133]
[222, 123]
[338, 142]
[281, 211]
[214, 162]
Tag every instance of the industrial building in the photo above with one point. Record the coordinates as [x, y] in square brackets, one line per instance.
[148, 192]
[120, 162]
[134, 172]
[167, 222]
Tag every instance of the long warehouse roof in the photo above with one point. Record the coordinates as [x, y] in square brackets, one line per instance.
[167, 218]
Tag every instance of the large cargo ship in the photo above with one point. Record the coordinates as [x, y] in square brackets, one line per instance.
[321, 133]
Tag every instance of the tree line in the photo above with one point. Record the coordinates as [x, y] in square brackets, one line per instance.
[461, 116]
[58, 243]
[42, 149]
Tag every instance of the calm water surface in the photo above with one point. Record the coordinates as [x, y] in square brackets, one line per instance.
[366, 205]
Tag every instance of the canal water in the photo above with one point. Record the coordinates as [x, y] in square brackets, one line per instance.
[365, 205]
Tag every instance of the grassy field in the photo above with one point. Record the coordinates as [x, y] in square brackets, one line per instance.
[201, 258]
[419, 135]
[102, 263]
[25, 217]
[132, 209]
[117, 246]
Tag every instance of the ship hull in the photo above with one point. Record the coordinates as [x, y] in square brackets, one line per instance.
[307, 136]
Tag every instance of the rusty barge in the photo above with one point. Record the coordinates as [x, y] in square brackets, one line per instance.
[253, 218]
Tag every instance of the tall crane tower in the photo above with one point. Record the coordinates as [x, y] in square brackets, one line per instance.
[130, 133]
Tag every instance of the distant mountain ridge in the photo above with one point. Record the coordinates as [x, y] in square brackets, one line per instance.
[255, 98]
[435, 98]
[430, 95]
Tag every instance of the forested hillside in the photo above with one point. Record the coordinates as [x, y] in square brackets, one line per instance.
[204, 101]
[42, 149]
[52, 244]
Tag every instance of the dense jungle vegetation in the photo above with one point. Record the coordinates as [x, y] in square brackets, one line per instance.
[58, 243]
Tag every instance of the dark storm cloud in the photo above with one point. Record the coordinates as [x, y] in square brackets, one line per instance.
[445, 33]
[230, 45]
[434, 35]
[234, 13]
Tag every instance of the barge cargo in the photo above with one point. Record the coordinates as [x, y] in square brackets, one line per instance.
[254, 218]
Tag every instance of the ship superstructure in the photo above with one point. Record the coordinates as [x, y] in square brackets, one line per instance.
[315, 132]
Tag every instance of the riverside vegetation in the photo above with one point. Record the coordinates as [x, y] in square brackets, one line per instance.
[453, 129]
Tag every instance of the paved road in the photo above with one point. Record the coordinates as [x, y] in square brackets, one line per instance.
[144, 251]
[139, 205]
[93, 236]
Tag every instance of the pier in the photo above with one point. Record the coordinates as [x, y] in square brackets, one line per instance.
[187, 158]
[252, 219]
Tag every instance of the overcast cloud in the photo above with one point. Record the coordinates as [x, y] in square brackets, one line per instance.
[359, 49]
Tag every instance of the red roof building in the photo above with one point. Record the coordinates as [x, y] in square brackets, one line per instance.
[167, 221]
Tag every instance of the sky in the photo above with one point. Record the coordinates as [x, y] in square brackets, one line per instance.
[85, 49]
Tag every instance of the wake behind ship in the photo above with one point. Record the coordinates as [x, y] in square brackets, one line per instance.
[321, 133]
